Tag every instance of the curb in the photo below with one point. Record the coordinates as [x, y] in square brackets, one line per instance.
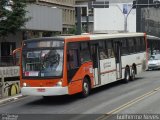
[9, 99]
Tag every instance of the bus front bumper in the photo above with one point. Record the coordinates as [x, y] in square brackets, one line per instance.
[44, 91]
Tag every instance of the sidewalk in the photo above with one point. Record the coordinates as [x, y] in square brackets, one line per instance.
[9, 99]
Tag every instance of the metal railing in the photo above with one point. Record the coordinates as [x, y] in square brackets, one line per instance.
[9, 81]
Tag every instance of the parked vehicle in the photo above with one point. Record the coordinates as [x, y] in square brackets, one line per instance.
[154, 62]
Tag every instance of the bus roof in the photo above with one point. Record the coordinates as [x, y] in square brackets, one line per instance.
[150, 37]
[91, 36]
[115, 35]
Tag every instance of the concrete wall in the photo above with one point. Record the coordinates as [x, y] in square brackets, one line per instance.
[44, 18]
[9, 81]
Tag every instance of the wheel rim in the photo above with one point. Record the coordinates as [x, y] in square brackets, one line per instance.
[86, 88]
[133, 74]
[127, 77]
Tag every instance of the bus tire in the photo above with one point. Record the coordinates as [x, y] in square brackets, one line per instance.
[133, 74]
[127, 75]
[85, 88]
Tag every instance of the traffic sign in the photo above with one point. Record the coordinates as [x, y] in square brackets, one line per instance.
[98, 4]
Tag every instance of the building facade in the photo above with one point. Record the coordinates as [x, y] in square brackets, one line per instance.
[68, 12]
[86, 16]
[150, 22]
[119, 17]
[45, 21]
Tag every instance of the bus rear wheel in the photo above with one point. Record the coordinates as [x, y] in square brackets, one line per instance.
[85, 88]
[127, 75]
[133, 74]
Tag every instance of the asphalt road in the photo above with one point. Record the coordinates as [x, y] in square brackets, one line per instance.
[140, 96]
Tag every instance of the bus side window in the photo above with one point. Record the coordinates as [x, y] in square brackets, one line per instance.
[85, 52]
[124, 47]
[72, 57]
[110, 49]
[135, 44]
[138, 44]
[130, 45]
[102, 50]
[142, 42]
[94, 54]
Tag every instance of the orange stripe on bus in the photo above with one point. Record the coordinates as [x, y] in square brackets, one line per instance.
[108, 71]
[74, 39]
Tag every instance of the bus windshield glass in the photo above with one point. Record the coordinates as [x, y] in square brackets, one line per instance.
[42, 62]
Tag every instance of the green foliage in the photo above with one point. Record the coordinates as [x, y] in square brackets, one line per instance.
[12, 19]
[72, 30]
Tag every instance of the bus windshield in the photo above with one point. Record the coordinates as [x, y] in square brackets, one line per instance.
[42, 63]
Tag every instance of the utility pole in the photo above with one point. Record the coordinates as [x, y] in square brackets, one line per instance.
[79, 28]
[87, 21]
[79, 12]
[125, 16]
[125, 19]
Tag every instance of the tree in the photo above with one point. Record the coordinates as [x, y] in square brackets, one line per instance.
[12, 16]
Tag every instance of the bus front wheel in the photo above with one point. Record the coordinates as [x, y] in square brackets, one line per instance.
[85, 88]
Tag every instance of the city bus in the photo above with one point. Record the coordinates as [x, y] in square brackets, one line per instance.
[66, 65]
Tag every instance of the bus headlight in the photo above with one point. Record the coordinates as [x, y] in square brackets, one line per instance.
[59, 83]
[25, 85]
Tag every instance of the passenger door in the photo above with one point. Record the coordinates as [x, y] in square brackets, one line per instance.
[117, 50]
[96, 63]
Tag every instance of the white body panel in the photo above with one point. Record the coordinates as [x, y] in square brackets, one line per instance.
[95, 74]
[108, 70]
[111, 71]
[44, 91]
[138, 59]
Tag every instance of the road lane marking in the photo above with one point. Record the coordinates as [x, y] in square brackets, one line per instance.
[128, 104]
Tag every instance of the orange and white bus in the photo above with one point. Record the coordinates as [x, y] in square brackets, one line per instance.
[76, 64]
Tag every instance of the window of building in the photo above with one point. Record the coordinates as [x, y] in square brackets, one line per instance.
[84, 11]
[6, 52]
[7, 48]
